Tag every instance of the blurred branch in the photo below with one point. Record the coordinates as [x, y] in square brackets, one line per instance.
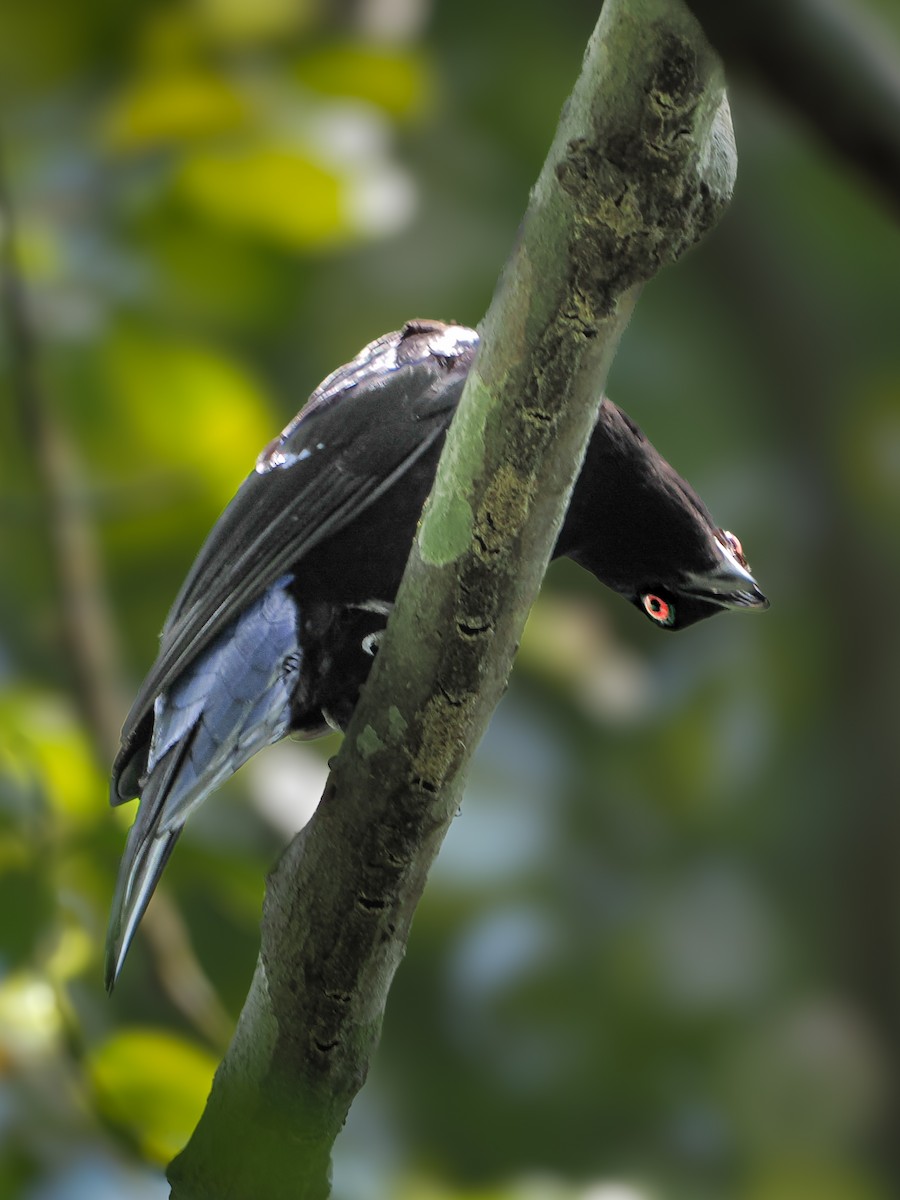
[860, 882]
[830, 61]
[641, 166]
[86, 634]
[86, 629]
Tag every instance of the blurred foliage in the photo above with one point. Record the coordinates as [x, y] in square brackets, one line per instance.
[660, 945]
[157, 1082]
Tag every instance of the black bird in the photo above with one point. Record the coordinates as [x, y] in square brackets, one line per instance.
[275, 626]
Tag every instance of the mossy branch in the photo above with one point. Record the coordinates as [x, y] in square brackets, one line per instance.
[641, 166]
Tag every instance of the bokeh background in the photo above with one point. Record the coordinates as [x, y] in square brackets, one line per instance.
[659, 955]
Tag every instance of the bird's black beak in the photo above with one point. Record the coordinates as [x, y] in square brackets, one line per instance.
[729, 584]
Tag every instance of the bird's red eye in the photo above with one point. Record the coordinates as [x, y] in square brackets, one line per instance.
[658, 610]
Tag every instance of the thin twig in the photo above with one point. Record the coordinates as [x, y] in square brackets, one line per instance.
[85, 628]
[84, 624]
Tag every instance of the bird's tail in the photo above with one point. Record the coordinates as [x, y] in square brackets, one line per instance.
[139, 874]
[235, 699]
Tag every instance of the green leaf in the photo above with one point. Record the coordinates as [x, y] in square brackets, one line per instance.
[154, 1084]
[171, 107]
[398, 81]
[186, 406]
[237, 22]
[43, 744]
[268, 190]
[814, 1180]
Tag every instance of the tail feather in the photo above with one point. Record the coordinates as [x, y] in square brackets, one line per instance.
[233, 701]
[146, 859]
[146, 853]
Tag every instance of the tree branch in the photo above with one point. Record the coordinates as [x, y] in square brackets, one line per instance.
[85, 632]
[830, 61]
[641, 166]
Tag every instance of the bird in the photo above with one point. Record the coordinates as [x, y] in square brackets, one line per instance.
[276, 625]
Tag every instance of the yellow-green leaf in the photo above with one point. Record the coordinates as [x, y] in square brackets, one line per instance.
[153, 1083]
[43, 744]
[172, 107]
[236, 21]
[267, 190]
[188, 407]
[814, 1180]
[398, 81]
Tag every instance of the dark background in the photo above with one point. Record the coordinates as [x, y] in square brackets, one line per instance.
[659, 955]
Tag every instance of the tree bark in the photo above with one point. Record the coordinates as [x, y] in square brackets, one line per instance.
[641, 166]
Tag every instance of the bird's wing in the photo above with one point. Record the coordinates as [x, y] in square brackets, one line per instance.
[359, 432]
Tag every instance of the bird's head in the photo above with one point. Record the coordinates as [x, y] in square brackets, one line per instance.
[693, 595]
[641, 529]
